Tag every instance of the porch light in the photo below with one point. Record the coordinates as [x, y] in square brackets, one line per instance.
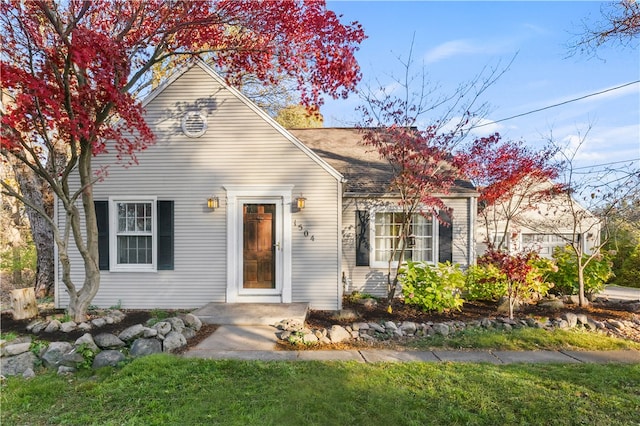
[213, 203]
[300, 202]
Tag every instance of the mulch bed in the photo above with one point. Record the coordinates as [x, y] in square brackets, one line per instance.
[324, 319]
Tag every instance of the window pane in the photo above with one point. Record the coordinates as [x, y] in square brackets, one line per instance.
[134, 235]
[387, 231]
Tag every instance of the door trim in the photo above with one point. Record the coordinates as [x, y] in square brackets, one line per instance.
[237, 195]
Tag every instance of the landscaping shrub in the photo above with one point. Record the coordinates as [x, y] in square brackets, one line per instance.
[517, 276]
[432, 288]
[629, 275]
[489, 279]
[485, 282]
[565, 278]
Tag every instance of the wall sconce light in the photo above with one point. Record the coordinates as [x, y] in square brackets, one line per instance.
[300, 202]
[213, 203]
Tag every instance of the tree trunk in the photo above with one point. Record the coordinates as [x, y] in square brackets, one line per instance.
[34, 189]
[23, 302]
[581, 298]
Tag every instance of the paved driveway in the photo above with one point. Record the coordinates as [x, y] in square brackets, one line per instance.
[614, 292]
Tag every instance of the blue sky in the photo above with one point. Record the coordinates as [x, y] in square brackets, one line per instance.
[455, 40]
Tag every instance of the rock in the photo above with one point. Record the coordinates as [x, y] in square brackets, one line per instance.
[163, 327]
[563, 324]
[390, 326]
[582, 319]
[441, 329]
[360, 326]
[84, 326]
[173, 340]
[177, 324]
[52, 357]
[68, 327]
[28, 373]
[39, 327]
[16, 349]
[368, 302]
[553, 304]
[17, 365]
[338, 334]
[99, 322]
[408, 327]
[571, 318]
[376, 327]
[131, 333]
[192, 322]
[290, 325]
[188, 333]
[144, 347]
[108, 358]
[486, 323]
[72, 359]
[612, 323]
[309, 338]
[149, 332]
[346, 314]
[53, 326]
[87, 340]
[64, 370]
[108, 341]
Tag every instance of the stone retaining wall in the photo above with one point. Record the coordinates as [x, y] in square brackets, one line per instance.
[94, 349]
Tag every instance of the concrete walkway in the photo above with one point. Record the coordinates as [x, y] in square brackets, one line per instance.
[260, 343]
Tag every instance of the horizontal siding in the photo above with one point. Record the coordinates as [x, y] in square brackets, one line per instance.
[239, 148]
[374, 280]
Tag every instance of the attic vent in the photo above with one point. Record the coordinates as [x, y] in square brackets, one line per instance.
[194, 124]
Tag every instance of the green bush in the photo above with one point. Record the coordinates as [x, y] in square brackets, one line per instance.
[565, 278]
[485, 282]
[629, 275]
[432, 288]
[489, 281]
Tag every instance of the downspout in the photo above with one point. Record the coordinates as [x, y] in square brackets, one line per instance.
[56, 262]
[339, 289]
[473, 209]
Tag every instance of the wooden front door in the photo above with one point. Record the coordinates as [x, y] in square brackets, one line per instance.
[259, 246]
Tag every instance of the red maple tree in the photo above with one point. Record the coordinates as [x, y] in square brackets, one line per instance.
[511, 178]
[72, 67]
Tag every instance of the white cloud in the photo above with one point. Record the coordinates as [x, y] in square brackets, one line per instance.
[449, 49]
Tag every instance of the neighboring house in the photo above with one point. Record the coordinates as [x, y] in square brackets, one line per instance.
[370, 214]
[541, 226]
[227, 206]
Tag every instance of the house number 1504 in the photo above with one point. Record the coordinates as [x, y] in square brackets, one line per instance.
[304, 231]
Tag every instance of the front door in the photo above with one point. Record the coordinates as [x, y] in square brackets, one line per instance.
[259, 243]
[259, 246]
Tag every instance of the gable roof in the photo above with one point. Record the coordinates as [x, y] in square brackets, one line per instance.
[365, 172]
[179, 71]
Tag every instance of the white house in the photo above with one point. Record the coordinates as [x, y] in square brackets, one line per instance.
[227, 206]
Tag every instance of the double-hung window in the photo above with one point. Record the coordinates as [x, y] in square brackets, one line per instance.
[134, 239]
[386, 229]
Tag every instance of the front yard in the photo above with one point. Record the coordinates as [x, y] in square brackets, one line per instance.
[168, 390]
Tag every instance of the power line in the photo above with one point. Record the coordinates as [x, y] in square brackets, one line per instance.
[607, 164]
[556, 105]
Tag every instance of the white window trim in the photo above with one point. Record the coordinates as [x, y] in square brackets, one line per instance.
[373, 263]
[114, 266]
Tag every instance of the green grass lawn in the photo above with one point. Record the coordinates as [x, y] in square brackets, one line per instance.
[524, 339]
[168, 390]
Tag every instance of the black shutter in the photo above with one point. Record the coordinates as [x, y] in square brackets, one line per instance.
[445, 239]
[363, 246]
[102, 219]
[165, 235]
